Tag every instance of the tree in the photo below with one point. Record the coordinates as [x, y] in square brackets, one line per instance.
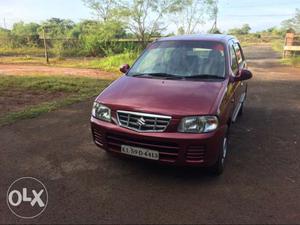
[274, 31]
[5, 37]
[95, 37]
[83, 28]
[214, 31]
[194, 13]
[293, 23]
[145, 17]
[25, 34]
[213, 6]
[57, 28]
[23, 29]
[103, 9]
[180, 31]
[58, 31]
[245, 29]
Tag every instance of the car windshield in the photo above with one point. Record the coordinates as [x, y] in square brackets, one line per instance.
[181, 59]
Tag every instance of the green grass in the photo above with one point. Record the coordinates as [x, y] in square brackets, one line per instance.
[33, 111]
[76, 88]
[110, 63]
[4, 51]
[293, 61]
[22, 60]
[276, 41]
[277, 45]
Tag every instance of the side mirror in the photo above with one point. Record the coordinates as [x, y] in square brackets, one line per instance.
[124, 68]
[244, 74]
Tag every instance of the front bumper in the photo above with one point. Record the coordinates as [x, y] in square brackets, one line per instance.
[182, 149]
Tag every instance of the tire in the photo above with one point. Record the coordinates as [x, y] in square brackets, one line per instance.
[218, 168]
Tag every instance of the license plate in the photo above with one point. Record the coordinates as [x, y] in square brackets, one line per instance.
[140, 152]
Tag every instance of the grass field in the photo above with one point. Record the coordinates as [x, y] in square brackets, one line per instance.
[110, 63]
[6, 51]
[31, 95]
[71, 89]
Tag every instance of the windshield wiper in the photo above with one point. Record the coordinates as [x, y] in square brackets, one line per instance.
[171, 76]
[161, 75]
[204, 76]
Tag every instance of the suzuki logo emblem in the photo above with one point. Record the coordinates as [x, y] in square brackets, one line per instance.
[141, 121]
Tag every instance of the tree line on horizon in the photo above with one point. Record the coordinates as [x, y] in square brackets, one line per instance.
[133, 19]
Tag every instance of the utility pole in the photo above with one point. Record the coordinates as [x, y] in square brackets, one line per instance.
[45, 46]
[4, 23]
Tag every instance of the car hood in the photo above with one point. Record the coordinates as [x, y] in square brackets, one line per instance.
[166, 97]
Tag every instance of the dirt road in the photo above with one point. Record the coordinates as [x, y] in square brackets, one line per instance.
[22, 69]
[261, 183]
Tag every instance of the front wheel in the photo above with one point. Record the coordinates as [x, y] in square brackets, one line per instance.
[218, 168]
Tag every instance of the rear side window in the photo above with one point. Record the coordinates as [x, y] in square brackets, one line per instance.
[234, 62]
[238, 52]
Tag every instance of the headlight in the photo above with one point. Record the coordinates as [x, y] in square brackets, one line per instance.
[101, 112]
[198, 124]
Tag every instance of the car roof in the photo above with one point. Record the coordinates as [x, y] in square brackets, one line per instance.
[200, 37]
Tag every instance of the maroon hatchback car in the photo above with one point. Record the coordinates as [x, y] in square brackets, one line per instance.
[176, 103]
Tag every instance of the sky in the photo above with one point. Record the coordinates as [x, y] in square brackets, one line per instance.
[259, 14]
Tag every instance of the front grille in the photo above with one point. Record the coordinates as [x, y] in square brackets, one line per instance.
[143, 122]
[168, 152]
[195, 153]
